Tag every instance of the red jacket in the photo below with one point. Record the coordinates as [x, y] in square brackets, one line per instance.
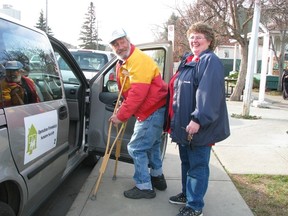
[144, 90]
[7, 99]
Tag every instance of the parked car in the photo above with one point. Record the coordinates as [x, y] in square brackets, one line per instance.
[42, 142]
[91, 61]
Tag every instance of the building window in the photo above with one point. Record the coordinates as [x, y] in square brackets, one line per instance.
[226, 53]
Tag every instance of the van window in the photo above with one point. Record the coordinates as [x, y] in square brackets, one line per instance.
[39, 66]
[159, 57]
[68, 76]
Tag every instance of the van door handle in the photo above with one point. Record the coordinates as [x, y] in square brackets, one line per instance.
[62, 112]
[72, 91]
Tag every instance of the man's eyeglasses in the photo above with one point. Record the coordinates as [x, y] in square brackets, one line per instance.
[12, 71]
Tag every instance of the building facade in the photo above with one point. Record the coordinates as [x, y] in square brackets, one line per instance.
[10, 11]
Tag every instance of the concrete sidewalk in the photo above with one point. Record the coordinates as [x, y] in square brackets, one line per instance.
[255, 146]
[222, 197]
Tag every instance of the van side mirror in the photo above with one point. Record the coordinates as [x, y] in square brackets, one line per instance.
[112, 86]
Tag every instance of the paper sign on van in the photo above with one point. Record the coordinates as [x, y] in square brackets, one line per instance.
[40, 134]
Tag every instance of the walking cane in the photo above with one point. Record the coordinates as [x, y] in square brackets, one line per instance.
[118, 149]
[109, 151]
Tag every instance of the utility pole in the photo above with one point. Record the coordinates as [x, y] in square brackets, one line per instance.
[46, 16]
[97, 25]
[251, 59]
[264, 66]
[97, 39]
[171, 35]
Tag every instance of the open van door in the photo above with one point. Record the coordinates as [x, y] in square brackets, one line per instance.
[103, 99]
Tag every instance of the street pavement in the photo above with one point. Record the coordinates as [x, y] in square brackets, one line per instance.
[255, 146]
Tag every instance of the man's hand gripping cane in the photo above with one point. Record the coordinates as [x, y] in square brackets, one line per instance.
[115, 121]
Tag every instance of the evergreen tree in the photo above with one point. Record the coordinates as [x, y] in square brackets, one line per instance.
[89, 32]
[41, 24]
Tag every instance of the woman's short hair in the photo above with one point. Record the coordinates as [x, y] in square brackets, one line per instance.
[203, 28]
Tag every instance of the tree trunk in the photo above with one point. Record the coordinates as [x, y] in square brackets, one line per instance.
[281, 59]
[236, 95]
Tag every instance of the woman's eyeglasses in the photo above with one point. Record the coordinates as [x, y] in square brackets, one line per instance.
[197, 38]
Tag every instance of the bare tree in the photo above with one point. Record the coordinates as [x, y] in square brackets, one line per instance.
[231, 19]
[275, 17]
[161, 34]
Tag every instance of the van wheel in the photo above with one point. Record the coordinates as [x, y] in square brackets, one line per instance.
[6, 210]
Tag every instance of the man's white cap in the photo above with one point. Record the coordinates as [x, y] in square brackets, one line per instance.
[117, 33]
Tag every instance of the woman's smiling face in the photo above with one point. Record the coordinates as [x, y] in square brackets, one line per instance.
[198, 43]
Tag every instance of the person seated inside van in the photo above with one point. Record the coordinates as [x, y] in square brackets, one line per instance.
[15, 88]
[84, 63]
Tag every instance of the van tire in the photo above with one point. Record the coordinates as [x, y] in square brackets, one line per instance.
[6, 210]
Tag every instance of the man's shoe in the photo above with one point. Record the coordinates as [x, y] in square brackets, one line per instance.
[179, 199]
[187, 211]
[159, 182]
[136, 193]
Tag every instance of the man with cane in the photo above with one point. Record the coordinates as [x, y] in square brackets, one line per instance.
[144, 94]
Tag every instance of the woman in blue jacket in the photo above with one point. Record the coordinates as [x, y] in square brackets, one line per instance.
[197, 115]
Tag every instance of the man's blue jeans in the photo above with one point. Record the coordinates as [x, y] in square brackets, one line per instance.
[144, 148]
[195, 173]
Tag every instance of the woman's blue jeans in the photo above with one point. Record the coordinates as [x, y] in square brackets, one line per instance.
[144, 148]
[195, 174]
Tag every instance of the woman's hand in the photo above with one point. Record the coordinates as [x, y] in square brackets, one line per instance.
[192, 127]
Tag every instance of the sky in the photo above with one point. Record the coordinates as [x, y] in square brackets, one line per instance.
[65, 17]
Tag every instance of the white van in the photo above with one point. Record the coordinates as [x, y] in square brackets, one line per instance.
[42, 142]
